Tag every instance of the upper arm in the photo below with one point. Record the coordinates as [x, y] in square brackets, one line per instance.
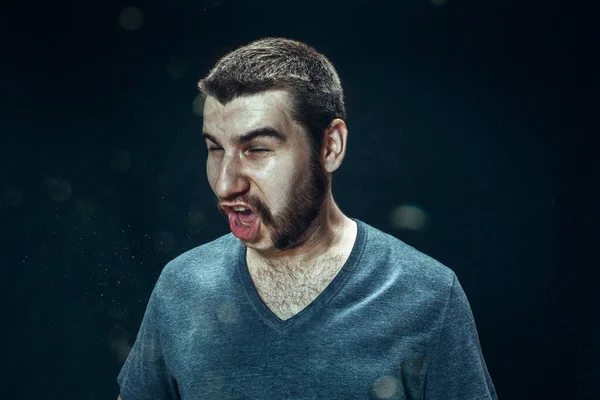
[145, 375]
[457, 369]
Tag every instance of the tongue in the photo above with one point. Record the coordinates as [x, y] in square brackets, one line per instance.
[246, 217]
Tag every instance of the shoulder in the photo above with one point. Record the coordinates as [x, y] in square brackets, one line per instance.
[414, 285]
[197, 266]
[405, 264]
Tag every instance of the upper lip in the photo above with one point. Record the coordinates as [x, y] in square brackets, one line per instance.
[229, 207]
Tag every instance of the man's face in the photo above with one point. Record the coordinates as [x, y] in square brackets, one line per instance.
[273, 171]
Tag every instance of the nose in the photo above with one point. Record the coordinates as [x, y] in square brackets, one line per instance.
[232, 180]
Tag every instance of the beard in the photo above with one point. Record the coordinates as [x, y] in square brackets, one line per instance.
[291, 225]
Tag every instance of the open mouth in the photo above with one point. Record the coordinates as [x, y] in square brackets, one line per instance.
[243, 221]
[243, 212]
[246, 217]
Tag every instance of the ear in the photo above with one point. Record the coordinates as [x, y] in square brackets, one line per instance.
[334, 145]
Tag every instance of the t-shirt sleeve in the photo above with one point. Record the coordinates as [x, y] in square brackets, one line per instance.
[145, 375]
[456, 367]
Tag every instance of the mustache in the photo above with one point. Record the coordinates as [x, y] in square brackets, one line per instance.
[255, 204]
[261, 210]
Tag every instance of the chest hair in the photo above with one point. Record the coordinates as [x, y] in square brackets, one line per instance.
[288, 288]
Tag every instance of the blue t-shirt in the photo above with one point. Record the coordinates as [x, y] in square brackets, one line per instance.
[393, 324]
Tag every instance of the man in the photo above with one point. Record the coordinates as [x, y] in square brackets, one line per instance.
[299, 301]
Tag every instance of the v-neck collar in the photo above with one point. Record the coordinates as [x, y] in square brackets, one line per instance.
[282, 326]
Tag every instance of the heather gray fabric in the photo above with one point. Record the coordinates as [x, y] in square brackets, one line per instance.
[393, 324]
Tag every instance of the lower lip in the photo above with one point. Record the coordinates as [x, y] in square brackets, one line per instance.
[241, 231]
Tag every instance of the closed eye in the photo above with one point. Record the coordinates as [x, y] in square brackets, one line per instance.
[254, 150]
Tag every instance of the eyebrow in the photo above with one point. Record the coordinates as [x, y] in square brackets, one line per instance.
[249, 136]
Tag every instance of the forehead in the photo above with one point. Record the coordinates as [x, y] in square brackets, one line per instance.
[246, 113]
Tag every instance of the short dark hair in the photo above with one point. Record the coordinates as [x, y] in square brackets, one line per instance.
[277, 63]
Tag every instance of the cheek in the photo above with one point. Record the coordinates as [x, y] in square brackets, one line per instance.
[283, 188]
[211, 174]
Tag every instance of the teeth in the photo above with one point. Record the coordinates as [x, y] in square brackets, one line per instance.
[240, 208]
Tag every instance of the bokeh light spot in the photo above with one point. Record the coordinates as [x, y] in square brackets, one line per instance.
[59, 189]
[131, 18]
[214, 383]
[438, 3]
[121, 161]
[120, 349]
[198, 105]
[408, 217]
[118, 340]
[163, 241]
[194, 220]
[228, 312]
[175, 68]
[385, 387]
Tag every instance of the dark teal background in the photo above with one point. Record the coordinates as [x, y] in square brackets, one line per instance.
[463, 110]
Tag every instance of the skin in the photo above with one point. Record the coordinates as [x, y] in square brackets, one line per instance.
[287, 185]
[300, 224]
